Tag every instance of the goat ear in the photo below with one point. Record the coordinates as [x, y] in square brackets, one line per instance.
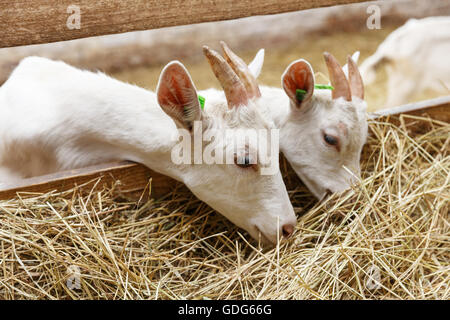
[177, 95]
[298, 75]
[256, 65]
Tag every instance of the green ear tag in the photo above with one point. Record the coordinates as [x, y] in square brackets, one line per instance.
[323, 86]
[300, 94]
[202, 101]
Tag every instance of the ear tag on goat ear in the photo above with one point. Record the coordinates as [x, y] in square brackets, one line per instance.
[323, 86]
[202, 101]
[300, 93]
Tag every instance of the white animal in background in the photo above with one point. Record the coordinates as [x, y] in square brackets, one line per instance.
[321, 136]
[55, 117]
[417, 58]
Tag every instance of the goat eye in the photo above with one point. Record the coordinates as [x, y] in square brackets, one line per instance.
[243, 162]
[332, 141]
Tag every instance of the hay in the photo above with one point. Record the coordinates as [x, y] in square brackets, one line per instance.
[388, 238]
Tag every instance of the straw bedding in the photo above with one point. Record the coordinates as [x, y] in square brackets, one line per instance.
[387, 238]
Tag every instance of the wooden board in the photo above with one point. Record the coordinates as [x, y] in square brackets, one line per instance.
[25, 22]
[437, 109]
[134, 178]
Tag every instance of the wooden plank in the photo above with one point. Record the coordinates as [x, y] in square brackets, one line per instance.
[437, 109]
[26, 22]
[134, 177]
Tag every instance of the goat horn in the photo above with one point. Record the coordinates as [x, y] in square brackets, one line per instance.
[232, 86]
[337, 78]
[242, 70]
[355, 79]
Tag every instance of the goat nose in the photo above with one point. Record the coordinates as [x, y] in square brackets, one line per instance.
[288, 230]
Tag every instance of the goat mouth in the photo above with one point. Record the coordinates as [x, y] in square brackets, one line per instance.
[328, 193]
[262, 238]
[309, 183]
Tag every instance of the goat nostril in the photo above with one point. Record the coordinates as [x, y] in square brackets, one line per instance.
[288, 230]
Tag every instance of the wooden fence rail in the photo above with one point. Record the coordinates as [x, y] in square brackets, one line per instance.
[24, 22]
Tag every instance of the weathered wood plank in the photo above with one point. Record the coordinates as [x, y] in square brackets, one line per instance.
[134, 178]
[40, 21]
[438, 109]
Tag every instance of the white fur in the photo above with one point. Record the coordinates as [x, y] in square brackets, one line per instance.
[416, 57]
[55, 117]
[319, 166]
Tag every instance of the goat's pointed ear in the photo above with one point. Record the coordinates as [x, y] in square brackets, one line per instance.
[177, 95]
[256, 65]
[298, 82]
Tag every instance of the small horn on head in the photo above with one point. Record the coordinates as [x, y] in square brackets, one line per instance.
[355, 79]
[337, 78]
[232, 86]
[242, 70]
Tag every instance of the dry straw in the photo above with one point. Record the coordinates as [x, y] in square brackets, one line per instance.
[388, 238]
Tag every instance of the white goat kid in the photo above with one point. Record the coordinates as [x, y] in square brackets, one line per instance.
[416, 57]
[323, 134]
[329, 127]
[55, 117]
